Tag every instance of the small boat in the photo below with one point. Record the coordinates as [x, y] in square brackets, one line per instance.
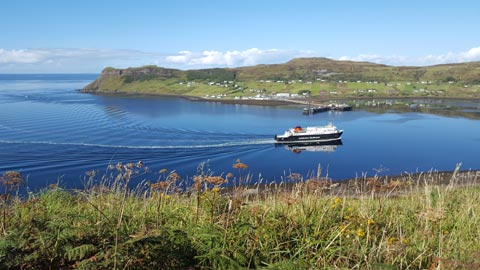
[310, 134]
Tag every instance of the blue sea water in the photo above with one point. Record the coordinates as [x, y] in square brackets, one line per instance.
[52, 133]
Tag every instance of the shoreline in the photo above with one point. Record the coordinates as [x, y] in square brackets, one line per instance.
[274, 102]
[270, 102]
[366, 185]
[317, 101]
[444, 177]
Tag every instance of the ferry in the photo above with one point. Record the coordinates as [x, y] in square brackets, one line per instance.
[310, 134]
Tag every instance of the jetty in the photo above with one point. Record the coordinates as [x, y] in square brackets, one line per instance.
[326, 107]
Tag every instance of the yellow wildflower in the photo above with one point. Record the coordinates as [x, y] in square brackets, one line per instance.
[392, 240]
[337, 200]
[215, 189]
[360, 232]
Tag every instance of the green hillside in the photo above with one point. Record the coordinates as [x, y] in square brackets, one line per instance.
[320, 76]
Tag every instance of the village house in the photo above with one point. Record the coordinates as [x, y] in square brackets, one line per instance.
[282, 95]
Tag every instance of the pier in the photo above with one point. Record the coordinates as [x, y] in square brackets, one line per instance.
[323, 108]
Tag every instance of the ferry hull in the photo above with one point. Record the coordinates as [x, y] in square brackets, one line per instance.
[309, 138]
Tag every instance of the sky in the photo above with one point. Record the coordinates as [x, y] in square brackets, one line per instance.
[62, 36]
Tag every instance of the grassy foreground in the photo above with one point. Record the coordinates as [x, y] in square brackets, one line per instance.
[424, 221]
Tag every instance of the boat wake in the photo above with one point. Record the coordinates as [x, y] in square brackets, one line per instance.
[173, 147]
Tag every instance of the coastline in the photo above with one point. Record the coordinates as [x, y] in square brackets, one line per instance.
[436, 178]
[275, 102]
[318, 101]
[386, 185]
[270, 102]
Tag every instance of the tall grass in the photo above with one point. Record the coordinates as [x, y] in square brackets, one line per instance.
[422, 221]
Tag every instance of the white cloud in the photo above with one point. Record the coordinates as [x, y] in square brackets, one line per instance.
[252, 56]
[20, 56]
[61, 60]
[472, 54]
[374, 58]
[182, 58]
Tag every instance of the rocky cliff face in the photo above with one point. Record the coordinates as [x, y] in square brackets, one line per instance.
[141, 71]
[111, 77]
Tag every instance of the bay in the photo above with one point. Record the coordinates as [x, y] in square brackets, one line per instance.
[52, 133]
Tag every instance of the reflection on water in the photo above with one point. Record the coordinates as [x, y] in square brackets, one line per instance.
[329, 146]
[444, 107]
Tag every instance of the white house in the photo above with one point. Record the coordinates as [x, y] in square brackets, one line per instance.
[283, 95]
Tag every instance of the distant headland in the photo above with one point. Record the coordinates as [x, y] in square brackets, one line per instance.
[299, 78]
